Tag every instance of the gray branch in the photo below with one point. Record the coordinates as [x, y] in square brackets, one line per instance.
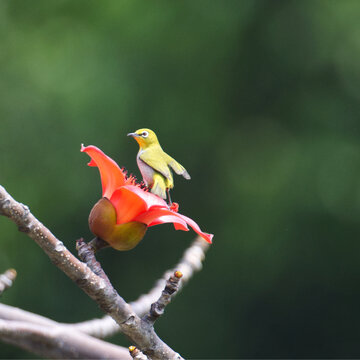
[12, 313]
[140, 332]
[190, 263]
[58, 342]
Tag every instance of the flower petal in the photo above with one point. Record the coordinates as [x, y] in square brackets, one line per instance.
[178, 223]
[159, 216]
[111, 175]
[196, 228]
[127, 203]
[150, 199]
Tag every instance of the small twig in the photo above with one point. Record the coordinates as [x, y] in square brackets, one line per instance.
[7, 279]
[87, 255]
[136, 353]
[157, 308]
[190, 263]
[98, 244]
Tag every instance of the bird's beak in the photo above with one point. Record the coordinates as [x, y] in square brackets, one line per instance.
[133, 134]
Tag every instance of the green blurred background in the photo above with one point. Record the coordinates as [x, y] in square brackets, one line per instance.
[259, 100]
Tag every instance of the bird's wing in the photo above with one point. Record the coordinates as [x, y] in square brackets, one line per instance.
[157, 163]
[178, 168]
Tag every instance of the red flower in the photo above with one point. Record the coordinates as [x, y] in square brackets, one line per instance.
[126, 210]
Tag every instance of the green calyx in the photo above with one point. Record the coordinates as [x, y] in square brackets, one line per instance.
[102, 223]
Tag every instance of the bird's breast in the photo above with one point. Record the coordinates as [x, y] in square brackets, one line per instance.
[147, 172]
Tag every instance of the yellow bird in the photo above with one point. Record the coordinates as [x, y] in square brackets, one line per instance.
[155, 165]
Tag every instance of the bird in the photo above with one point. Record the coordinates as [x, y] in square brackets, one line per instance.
[155, 164]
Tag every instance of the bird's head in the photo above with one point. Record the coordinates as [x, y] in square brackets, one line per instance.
[144, 137]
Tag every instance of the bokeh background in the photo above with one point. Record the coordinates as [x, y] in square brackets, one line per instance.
[259, 100]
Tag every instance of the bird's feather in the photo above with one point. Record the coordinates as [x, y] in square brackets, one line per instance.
[147, 172]
[178, 168]
[154, 157]
[159, 186]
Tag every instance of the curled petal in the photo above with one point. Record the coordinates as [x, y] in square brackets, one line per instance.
[127, 203]
[196, 228]
[159, 216]
[111, 175]
[150, 199]
[178, 223]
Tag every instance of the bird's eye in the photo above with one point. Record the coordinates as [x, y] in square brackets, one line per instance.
[145, 134]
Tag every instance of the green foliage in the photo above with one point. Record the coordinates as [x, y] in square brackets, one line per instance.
[259, 100]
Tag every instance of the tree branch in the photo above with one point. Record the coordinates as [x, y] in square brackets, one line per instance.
[58, 342]
[190, 263]
[106, 326]
[12, 313]
[139, 331]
